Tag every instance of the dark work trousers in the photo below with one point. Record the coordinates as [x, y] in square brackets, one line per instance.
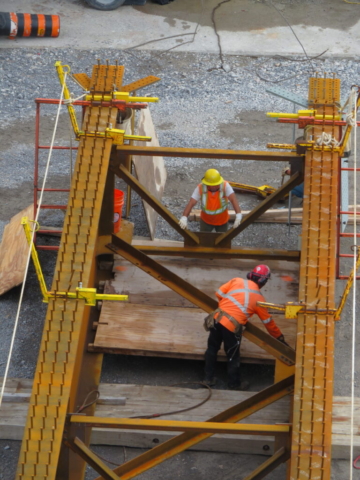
[232, 342]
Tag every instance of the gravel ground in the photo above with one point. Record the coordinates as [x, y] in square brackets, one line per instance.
[200, 106]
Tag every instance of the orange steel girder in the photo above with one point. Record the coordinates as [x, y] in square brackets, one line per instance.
[312, 408]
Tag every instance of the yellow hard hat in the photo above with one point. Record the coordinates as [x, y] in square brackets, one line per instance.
[212, 177]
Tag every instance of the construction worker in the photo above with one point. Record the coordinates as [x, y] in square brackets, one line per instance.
[237, 303]
[214, 193]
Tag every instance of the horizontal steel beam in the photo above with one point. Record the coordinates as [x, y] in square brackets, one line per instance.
[180, 426]
[207, 252]
[207, 153]
[178, 444]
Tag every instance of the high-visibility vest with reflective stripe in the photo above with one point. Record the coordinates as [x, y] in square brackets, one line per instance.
[239, 298]
[214, 205]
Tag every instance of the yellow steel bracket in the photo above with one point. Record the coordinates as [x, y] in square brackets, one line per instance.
[303, 113]
[117, 136]
[124, 96]
[88, 294]
[61, 71]
[348, 287]
[292, 309]
[25, 222]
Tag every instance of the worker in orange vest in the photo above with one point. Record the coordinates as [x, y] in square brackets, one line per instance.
[237, 303]
[214, 193]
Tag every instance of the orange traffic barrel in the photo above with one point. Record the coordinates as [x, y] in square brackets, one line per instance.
[29, 25]
[118, 206]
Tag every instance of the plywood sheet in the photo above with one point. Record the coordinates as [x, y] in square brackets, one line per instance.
[175, 332]
[158, 321]
[13, 251]
[150, 171]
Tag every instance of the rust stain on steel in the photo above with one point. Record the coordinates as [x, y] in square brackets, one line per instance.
[311, 439]
[208, 153]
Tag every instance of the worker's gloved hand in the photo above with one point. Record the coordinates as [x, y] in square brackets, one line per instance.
[282, 340]
[237, 220]
[183, 222]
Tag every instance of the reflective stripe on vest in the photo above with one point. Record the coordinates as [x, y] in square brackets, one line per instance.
[267, 320]
[245, 290]
[222, 200]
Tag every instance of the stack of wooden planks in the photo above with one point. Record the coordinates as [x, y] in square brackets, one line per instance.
[121, 401]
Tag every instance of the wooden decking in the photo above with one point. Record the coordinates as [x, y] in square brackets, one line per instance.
[158, 322]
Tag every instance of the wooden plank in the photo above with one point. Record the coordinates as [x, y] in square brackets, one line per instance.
[205, 274]
[147, 400]
[175, 332]
[14, 251]
[273, 215]
[150, 171]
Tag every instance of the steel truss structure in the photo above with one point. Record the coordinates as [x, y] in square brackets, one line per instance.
[56, 437]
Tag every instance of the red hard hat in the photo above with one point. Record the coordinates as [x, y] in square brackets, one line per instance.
[262, 271]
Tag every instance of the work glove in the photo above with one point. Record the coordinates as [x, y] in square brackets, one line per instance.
[183, 222]
[282, 340]
[237, 220]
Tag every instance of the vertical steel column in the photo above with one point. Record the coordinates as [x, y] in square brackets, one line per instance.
[312, 417]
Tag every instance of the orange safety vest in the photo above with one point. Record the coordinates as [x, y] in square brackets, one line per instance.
[238, 298]
[214, 205]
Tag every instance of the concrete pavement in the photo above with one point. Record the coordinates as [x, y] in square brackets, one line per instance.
[245, 27]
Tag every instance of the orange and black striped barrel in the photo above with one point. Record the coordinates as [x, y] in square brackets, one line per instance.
[29, 25]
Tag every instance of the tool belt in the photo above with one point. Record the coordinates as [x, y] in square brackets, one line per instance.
[210, 321]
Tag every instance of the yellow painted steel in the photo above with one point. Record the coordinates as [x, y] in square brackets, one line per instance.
[303, 113]
[263, 191]
[292, 309]
[312, 408]
[141, 83]
[90, 295]
[347, 288]
[124, 96]
[66, 321]
[181, 426]
[283, 146]
[118, 136]
[25, 222]
[61, 74]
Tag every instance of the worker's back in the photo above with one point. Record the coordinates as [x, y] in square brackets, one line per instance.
[239, 298]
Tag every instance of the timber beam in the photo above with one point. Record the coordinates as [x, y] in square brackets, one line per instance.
[173, 221]
[182, 442]
[250, 218]
[222, 253]
[208, 153]
[197, 297]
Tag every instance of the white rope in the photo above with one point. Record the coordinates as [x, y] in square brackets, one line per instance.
[70, 101]
[326, 139]
[353, 352]
[29, 253]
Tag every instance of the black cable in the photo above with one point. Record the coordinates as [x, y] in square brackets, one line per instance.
[156, 415]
